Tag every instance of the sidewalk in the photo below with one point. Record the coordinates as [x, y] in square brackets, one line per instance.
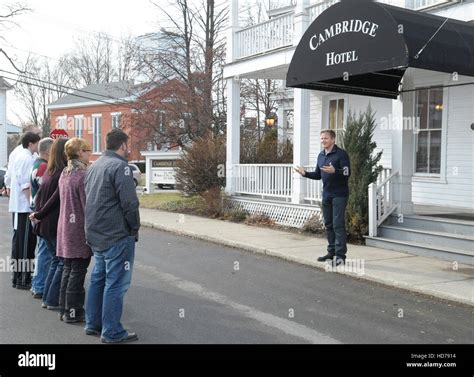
[429, 276]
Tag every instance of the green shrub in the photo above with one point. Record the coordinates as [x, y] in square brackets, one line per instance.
[358, 143]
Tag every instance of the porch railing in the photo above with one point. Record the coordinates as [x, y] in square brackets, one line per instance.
[381, 200]
[314, 188]
[315, 10]
[266, 36]
[265, 180]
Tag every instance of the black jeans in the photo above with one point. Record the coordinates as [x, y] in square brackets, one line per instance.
[72, 295]
[23, 251]
[334, 210]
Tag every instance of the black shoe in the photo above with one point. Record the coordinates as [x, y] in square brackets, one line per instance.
[326, 257]
[73, 320]
[23, 287]
[38, 295]
[129, 338]
[50, 307]
[13, 285]
[92, 332]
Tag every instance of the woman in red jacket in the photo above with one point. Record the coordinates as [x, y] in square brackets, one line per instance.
[71, 236]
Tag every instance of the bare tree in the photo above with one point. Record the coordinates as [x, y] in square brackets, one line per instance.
[38, 85]
[191, 51]
[7, 15]
[91, 61]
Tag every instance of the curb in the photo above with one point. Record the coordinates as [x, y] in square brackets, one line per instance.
[319, 265]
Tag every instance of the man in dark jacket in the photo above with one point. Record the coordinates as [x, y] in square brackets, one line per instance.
[333, 167]
[112, 222]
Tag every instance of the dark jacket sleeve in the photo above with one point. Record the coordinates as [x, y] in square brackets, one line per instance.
[52, 202]
[316, 174]
[345, 169]
[126, 191]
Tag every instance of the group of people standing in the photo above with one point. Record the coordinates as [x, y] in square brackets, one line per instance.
[68, 210]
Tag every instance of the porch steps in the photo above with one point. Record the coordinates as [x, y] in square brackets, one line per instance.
[447, 239]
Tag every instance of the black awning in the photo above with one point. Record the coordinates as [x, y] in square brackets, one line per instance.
[364, 47]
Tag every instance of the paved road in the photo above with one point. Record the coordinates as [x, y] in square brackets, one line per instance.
[190, 291]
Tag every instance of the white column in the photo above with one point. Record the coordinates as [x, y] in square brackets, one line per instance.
[233, 132]
[149, 175]
[403, 150]
[232, 37]
[3, 128]
[301, 111]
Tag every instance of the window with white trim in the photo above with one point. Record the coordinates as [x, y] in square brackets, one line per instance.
[78, 126]
[116, 120]
[97, 133]
[429, 113]
[336, 117]
[61, 122]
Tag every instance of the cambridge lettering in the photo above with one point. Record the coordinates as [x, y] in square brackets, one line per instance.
[348, 26]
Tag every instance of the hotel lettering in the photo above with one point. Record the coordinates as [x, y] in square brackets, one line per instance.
[348, 26]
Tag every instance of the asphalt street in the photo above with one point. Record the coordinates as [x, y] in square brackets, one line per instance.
[190, 291]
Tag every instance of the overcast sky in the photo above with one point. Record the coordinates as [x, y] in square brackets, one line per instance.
[52, 26]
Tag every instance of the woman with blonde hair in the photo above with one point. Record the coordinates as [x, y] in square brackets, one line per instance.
[71, 236]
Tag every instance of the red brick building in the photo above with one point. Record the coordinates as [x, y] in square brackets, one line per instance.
[93, 111]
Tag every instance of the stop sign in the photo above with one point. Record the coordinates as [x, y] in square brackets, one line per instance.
[58, 133]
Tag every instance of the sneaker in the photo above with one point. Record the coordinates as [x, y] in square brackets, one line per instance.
[38, 295]
[23, 287]
[326, 257]
[50, 307]
[129, 338]
[92, 332]
[43, 305]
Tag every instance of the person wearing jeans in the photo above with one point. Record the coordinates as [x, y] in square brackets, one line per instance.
[52, 284]
[333, 167]
[71, 234]
[43, 257]
[110, 279]
[112, 221]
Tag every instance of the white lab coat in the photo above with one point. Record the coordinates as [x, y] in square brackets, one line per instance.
[11, 160]
[20, 180]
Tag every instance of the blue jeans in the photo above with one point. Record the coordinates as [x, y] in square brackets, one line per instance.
[110, 280]
[52, 285]
[43, 262]
[334, 210]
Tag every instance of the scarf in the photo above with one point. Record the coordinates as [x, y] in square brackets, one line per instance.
[73, 165]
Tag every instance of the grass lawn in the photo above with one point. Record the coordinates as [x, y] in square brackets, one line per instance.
[159, 200]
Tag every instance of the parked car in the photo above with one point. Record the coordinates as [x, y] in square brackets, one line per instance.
[137, 175]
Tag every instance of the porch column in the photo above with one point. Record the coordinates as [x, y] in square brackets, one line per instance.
[233, 132]
[149, 175]
[233, 100]
[301, 112]
[403, 149]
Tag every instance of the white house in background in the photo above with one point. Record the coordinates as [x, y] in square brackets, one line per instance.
[4, 87]
[412, 64]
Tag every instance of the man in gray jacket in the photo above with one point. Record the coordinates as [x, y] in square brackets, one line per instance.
[112, 221]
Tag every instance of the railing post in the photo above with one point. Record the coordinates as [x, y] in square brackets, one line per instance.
[373, 210]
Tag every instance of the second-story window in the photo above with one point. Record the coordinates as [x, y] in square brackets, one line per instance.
[78, 126]
[61, 122]
[97, 133]
[116, 120]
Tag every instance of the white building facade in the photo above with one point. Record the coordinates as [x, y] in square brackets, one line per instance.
[428, 165]
[4, 87]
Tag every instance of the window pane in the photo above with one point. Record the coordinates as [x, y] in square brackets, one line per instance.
[340, 114]
[422, 108]
[436, 108]
[422, 153]
[332, 114]
[435, 152]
